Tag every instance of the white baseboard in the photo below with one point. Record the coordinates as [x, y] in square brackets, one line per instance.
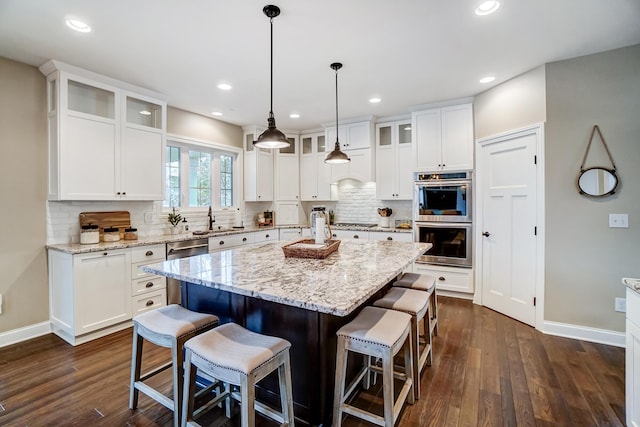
[585, 333]
[25, 333]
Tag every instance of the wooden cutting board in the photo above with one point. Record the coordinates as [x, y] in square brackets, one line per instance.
[119, 219]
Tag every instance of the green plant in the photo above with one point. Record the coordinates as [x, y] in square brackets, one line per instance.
[174, 218]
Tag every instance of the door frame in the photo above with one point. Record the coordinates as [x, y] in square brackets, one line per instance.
[536, 129]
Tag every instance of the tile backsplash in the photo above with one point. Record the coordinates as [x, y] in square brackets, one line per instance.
[357, 203]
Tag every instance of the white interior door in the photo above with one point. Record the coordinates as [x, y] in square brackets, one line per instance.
[508, 225]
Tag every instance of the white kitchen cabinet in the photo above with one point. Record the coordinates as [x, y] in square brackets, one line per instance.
[314, 172]
[288, 234]
[355, 141]
[148, 291]
[350, 234]
[288, 171]
[264, 236]
[89, 294]
[443, 138]
[353, 136]
[360, 167]
[105, 142]
[394, 155]
[258, 169]
[391, 236]
[231, 241]
[632, 356]
[453, 279]
[287, 213]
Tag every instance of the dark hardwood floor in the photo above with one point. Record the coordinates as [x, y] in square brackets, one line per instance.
[488, 370]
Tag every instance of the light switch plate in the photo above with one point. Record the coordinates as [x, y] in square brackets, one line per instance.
[148, 217]
[620, 305]
[618, 220]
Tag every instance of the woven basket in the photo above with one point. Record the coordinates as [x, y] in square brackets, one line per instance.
[297, 250]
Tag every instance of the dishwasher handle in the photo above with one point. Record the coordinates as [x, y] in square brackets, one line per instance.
[187, 248]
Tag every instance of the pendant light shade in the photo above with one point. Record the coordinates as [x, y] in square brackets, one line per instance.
[272, 137]
[337, 156]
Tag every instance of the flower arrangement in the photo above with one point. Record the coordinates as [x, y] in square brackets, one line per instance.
[174, 217]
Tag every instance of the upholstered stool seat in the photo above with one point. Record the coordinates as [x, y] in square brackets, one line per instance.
[416, 304]
[237, 356]
[381, 333]
[426, 283]
[170, 326]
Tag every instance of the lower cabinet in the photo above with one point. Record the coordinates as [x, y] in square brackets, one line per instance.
[350, 234]
[231, 241]
[391, 236]
[632, 355]
[148, 291]
[89, 293]
[288, 234]
[453, 279]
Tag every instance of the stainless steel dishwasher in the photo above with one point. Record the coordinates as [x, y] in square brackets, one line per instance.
[183, 249]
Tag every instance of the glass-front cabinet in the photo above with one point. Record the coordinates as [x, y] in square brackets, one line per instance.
[105, 142]
[394, 180]
[314, 172]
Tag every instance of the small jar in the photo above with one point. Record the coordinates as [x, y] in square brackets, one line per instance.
[89, 234]
[110, 234]
[130, 233]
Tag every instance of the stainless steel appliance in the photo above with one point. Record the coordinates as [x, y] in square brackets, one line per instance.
[451, 242]
[442, 196]
[183, 249]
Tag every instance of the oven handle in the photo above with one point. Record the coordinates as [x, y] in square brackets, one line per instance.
[443, 183]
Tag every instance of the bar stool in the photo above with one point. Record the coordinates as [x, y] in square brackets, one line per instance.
[234, 355]
[426, 283]
[416, 304]
[169, 327]
[381, 333]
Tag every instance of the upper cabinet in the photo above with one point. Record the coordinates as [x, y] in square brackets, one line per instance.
[288, 171]
[443, 138]
[394, 176]
[258, 168]
[106, 138]
[314, 172]
[355, 140]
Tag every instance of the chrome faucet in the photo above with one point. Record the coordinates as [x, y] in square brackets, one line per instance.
[212, 219]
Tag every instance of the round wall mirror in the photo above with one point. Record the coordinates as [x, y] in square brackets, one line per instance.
[597, 182]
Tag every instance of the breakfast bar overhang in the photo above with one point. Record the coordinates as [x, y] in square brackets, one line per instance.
[304, 301]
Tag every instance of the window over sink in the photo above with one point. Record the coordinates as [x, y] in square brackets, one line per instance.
[199, 175]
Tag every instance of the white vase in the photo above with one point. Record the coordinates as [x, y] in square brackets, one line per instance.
[175, 230]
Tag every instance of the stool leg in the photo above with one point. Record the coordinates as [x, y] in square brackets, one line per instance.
[387, 388]
[136, 363]
[428, 337]
[286, 391]
[247, 404]
[414, 337]
[408, 370]
[338, 389]
[178, 379]
[189, 389]
[434, 311]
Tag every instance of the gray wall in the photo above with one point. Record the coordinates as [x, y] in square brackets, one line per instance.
[185, 123]
[23, 186]
[584, 258]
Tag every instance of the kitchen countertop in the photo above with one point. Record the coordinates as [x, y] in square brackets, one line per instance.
[335, 285]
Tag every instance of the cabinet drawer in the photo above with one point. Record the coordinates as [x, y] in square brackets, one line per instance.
[148, 253]
[147, 284]
[448, 278]
[233, 240]
[388, 235]
[265, 236]
[149, 301]
[136, 271]
[350, 234]
[633, 306]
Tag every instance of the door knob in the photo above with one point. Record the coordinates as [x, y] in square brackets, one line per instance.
[486, 234]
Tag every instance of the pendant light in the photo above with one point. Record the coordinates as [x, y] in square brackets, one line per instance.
[272, 137]
[337, 156]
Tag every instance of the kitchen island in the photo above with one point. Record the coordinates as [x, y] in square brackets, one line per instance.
[302, 300]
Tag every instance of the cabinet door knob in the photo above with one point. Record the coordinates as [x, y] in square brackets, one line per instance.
[105, 253]
[244, 239]
[334, 235]
[118, 193]
[149, 285]
[266, 237]
[486, 234]
[148, 253]
[149, 303]
[221, 242]
[441, 278]
[355, 236]
[124, 193]
[389, 238]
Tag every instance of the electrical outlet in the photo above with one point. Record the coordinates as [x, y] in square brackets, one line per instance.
[618, 220]
[148, 217]
[621, 305]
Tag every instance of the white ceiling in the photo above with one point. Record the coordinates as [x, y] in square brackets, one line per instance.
[407, 52]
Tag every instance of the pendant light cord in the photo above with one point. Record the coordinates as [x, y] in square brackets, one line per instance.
[271, 107]
[337, 138]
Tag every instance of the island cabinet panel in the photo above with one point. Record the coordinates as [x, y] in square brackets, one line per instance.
[313, 344]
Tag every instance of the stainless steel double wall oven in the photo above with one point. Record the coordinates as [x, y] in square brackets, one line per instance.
[442, 216]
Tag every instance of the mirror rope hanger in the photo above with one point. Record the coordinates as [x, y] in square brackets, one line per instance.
[586, 153]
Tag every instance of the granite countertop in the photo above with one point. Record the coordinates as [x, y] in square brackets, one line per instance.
[335, 285]
[631, 283]
[78, 248]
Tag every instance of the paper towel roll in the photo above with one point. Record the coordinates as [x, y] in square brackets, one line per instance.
[319, 230]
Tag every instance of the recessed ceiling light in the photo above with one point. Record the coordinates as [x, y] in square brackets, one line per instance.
[77, 25]
[224, 86]
[487, 7]
[294, 115]
[145, 113]
[216, 113]
[375, 100]
[487, 79]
